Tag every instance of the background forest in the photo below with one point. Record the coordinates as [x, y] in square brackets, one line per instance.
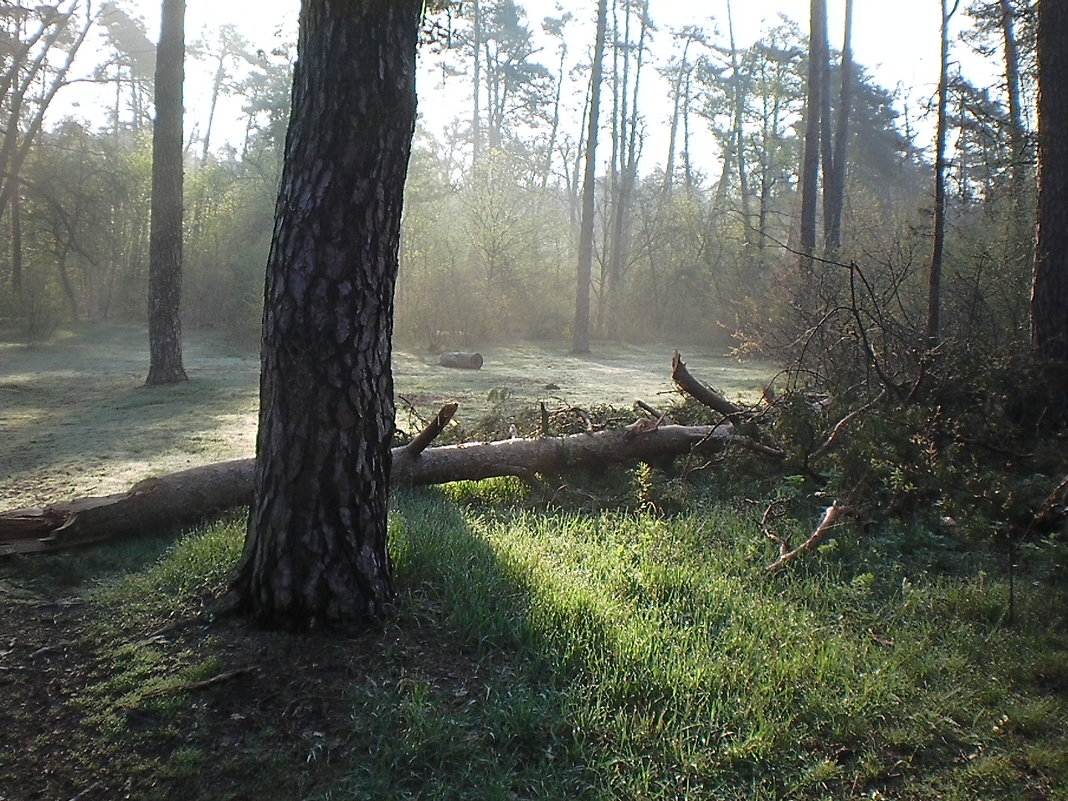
[696, 250]
[852, 587]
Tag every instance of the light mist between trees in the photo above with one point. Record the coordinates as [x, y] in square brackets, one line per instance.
[491, 231]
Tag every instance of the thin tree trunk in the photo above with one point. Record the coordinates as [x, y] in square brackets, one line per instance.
[737, 146]
[16, 243]
[834, 188]
[581, 333]
[673, 131]
[687, 163]
[810, 163]
[934, 296]
[476, 113]
[555, 129]
[1017, 135]
[216, 88]
[165, 243]
[628, 167]
[577, 169]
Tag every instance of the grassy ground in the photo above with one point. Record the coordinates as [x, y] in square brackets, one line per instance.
[539, 652]
[536, 655]
[76, 418]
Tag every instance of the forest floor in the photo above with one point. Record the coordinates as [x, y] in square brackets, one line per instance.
[76, 418]
[536, 651]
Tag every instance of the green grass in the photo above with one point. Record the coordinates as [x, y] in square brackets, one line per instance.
[689, 673]
[629, 656]
[538, 650]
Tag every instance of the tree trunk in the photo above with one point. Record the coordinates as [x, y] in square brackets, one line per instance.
[1017, 135]
[629, 145]
[934, 294]
[736, 148]
[316, 553]
[476, 113]
[554, 129]
[1049, 292]
[834, 189]
[165, 244]
[16, 243]
[810, 163]
[184, 498]
[581, 333]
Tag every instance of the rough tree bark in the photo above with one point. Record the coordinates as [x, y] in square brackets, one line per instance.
[1049, 292]
[316, 553]
[165, 238]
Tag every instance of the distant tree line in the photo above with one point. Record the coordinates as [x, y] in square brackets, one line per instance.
[698, 242]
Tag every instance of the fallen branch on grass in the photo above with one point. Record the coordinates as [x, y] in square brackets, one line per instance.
[185, 498]
[175, 689]
[832, 517]
[703, 393]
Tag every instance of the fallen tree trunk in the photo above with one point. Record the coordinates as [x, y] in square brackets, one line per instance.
[184, 498]
[463, 361]
[172, 500]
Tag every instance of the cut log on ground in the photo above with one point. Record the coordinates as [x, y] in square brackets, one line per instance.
[463, 361]
[182, 499]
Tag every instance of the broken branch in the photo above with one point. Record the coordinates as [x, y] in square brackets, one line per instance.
[831, 518]
[421, 440]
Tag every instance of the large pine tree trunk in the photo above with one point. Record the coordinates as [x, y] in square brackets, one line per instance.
[1049, 294]
[316, 547]
[165, 244]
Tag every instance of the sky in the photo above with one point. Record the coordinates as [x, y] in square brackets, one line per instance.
[897, 42]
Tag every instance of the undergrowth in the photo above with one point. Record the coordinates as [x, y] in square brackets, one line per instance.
[572, 653]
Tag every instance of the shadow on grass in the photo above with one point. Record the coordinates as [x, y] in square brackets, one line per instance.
[456, 703]
[77, 417]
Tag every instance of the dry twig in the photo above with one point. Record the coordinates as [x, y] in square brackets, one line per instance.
[197, 685]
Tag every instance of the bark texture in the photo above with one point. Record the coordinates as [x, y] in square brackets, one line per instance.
[165, 237]
[315, 553]
[1049, 292]
[167, 502]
